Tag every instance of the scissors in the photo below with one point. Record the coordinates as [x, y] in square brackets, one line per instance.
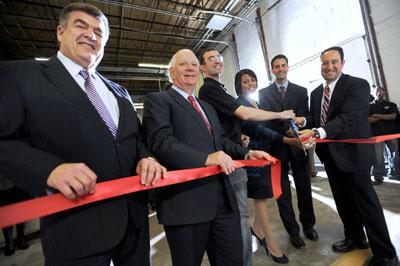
[296, 133]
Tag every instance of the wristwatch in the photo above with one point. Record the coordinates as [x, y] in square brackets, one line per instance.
[316, 133]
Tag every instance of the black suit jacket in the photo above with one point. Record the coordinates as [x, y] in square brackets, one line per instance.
[46, 119]
[296, 99]
[347, 119]
[179, 138]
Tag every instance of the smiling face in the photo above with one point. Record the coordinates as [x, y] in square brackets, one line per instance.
[82, 38]
[280, 69]
[185, 71]
[331, 65]
[212, 65]
[249, 84]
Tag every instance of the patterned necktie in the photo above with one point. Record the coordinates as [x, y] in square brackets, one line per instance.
[97, 102]
[282, 91]
[325, 105]
[194, 103]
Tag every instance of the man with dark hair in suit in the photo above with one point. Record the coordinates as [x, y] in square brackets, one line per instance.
[279, 96]
[339, 109]
[64, 127]
[184, 132]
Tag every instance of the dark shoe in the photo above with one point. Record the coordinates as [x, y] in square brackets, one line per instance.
[347, 245]
[262, 242]
[21, 244]
[311, 234]
[297, 241]
[375, 261]
[8, 251]
[377, 182]
[282, 260]
[396, 177]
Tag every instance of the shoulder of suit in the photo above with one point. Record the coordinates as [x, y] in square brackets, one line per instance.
[298, 87]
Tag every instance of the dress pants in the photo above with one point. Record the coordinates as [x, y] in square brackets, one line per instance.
[358, 207]
[133, 250]
[302, 182]
[221, 238]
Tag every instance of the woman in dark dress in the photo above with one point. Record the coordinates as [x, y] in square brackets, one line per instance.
[259, 178]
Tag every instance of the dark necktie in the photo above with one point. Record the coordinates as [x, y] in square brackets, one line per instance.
[325, 105]
[97, 102]
[282, 92]
[194, 103]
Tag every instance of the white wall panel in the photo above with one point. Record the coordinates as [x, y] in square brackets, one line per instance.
[386, 22]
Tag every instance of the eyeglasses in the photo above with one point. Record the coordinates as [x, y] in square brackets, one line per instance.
[214, 58]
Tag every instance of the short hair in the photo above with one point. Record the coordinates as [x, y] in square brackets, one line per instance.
[238, 79]
[279, 56]
[85, 8]
[335, 48]
[202, 59]
[172, 62]
[380, 88]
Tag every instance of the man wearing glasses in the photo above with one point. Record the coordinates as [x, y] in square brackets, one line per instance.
[230, 113]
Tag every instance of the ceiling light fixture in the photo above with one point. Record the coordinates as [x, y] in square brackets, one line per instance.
[153, 65]
[41, 58]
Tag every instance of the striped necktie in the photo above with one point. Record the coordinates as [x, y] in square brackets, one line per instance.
[194, 103]
[97, 102]
[325, 105]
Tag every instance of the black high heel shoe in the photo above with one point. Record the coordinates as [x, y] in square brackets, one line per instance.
[263, 242]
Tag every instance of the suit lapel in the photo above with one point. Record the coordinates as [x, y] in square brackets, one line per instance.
[188, 106]
[275, 94]
[55, 71]
[339, 87]
[317, 104]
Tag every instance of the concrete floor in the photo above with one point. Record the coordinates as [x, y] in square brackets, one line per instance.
[315, 254]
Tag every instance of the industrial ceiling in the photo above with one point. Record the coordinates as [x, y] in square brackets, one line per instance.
[141, 32]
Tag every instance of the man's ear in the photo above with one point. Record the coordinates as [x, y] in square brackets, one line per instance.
[60, 32]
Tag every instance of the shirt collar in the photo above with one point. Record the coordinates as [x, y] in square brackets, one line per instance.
[332, 84]
[219, 84]
[285, 85]
[182, 92]
[72, 67]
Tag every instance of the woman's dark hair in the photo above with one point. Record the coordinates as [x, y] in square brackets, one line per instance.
[238, 79]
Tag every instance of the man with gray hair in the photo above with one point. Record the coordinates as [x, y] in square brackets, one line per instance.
[184, 132]
[64, 127]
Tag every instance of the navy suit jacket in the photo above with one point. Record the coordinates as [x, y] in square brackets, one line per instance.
[46, 119]
[347, 119]
[179, 138]
[296, 99]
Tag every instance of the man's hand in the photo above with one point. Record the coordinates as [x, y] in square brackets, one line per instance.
[72, 179]
[255, 154]
[245, 140]
[222, 159]
[299, 121]
[306, 133]
[287, 114]
[150, 171]
[373, 119]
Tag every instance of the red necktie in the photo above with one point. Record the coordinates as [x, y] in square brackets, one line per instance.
[194, 103]
[325, 105]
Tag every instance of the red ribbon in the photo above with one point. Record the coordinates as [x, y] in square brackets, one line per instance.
[371, 140]
[43, 206]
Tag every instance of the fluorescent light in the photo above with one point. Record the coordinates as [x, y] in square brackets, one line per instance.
[41, 58]
[218, 22]
[153, 65]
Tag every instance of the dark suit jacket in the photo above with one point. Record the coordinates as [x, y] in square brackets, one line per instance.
[296, 99]
[179, 138]
[347, 119]
[46, 119]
